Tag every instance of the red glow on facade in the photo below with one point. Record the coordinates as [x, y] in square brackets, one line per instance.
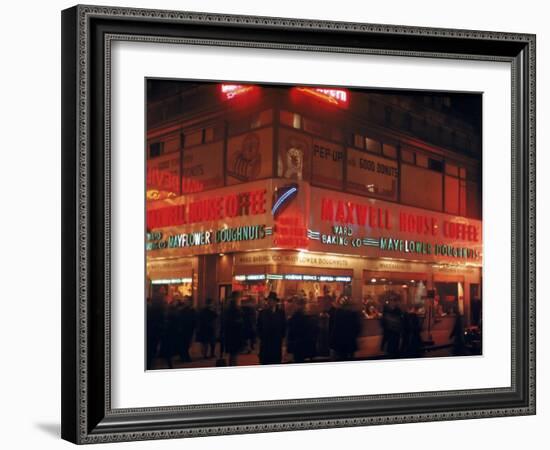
[350, 213]
[290, 232]
[167, 181]
[338, 97]
[248, 203]
[230, 91]
[162, 179]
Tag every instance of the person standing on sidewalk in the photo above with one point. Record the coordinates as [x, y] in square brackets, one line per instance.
[346, 331]
[249, 324]
[233, 341]
[206, 331]
[457, 334]
[297, 338]
[271, 331]
[187, 319]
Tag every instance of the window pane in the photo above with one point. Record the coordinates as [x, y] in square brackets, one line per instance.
[194, 138]
[421, 187]
[473, 195]
[421, 160]
[208, 135]
[373, 146]
[297, 121]
[407, 156]
[336, 134]
[389, 150]
[262, 119]
[155, 149]
[435, 164]
[451, 169]
[286, 118]
[171, 144]
[316, 128]
[358, 141]
[463, 198]
[451, 195]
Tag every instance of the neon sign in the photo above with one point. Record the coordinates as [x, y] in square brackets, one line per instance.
[293, 277]
[339, 97]
[426, 248]
[230, 91]
[253, 277]
[172, 281]
[290, 232]
[248, 203]
[157, 241]
[351, 213]
[282, 196]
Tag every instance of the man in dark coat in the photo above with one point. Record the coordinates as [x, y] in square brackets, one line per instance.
[187, 323]
[345, 331]
[232, 329]
[155, 322]
[392, 323]
[297, 339]
[170, 332]
[412, 341]
[249, 324]
[457, 334]
[271, 331]
[206, 330]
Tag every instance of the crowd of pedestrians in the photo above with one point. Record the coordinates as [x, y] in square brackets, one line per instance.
[274, 329]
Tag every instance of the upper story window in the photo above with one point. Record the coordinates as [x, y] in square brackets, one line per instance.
[198, 137]
[358, 141]
[290, 119]
[250, 122]
[156, 149]
[263, 118]
[373, 145]
[435, 164]
[389, 150]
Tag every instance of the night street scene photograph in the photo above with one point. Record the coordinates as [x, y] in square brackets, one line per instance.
[297, 224]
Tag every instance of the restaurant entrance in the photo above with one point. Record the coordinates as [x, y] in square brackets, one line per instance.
[313, 285]
[407, 288]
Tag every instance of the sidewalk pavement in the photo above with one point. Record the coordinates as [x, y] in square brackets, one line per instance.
[369, 348]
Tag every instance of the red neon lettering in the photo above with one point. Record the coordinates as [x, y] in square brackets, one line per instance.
[361, 212]
[232, 90]
[231, 206]
[334, 96]
[350, 210]
[327, 210]
[388, 221]
[372, 217]
[340, 212]
[460, 231]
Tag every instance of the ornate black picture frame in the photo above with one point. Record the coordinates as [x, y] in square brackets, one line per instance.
[87, 35]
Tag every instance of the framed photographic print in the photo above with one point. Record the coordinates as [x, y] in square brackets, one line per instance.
[281, 224]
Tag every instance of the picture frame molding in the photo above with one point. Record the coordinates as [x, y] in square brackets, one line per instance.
[87, 35]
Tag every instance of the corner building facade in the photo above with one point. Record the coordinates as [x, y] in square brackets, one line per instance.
[313, 191]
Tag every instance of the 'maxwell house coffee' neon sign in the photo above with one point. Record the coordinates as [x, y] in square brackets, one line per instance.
[350, 213]
[249, 203]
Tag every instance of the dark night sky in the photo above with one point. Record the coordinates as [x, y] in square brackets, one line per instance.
[465, 106]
